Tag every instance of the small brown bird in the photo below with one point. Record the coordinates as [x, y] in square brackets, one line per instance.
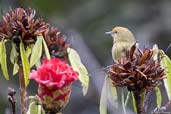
[123, 39]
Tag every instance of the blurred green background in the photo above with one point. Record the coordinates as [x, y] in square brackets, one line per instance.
[85, 22]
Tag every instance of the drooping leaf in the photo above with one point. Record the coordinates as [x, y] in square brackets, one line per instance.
[103, 98]
[36, 51]
[158, 92]
[46, 49]
[15, 69]
[28, 51]
[13, 54]
[166, 64]
[158, 97]
[123, 100]
[14, 58]
[108, 94]
[34, 108]
[127, 98]
[3, 60]
[112, 94]
[25, 63]
[134, 103]
[38, 64]
[77, 65]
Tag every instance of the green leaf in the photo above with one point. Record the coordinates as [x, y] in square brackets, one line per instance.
[123, 100]
[108, 94]
[34, 108]
[15, 69]
[103, 98]
[112, 94]
[13, 54]
[3, 60]
[36, 51]
[25, 63]
[38, 63]
[166, 64]
[14, 58]
[46, 49]
[77, 65]
[28, 51]
[158, 97]
[127, 98]
[134, 102]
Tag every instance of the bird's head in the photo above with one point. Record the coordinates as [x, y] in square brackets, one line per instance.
[121, 34]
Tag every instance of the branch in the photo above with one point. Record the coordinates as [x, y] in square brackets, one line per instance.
[22, 91]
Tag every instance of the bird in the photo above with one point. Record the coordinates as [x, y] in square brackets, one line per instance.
[123, 40]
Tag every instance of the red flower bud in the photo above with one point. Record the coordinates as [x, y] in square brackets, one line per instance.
[54, 78]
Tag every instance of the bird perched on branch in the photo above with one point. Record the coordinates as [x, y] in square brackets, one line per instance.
[123, 40]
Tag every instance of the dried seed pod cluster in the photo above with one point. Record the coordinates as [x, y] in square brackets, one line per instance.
[56, 42]
[21, 24]
[137, 71]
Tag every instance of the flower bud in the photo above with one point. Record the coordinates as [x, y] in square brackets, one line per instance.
[55, 78]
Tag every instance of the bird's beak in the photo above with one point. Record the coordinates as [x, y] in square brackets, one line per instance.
[110, 32]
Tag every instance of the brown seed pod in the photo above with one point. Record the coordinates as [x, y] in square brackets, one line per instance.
[19, 24]
[56, 43]
[137, 71]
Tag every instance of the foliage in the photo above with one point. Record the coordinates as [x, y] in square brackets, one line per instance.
[75, 61]
[32, 40]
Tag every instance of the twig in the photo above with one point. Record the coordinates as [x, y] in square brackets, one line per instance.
[168, 47]
[12, 99]
[163, 108]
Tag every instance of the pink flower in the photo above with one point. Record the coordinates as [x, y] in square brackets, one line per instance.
[54, 78]
[54, 73]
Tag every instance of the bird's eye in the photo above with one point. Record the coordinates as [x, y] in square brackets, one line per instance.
[116, 32]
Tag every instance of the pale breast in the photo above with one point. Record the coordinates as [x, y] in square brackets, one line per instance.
[119, 49]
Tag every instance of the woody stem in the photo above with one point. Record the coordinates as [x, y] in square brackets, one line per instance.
[139, 102]
[22, 90]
